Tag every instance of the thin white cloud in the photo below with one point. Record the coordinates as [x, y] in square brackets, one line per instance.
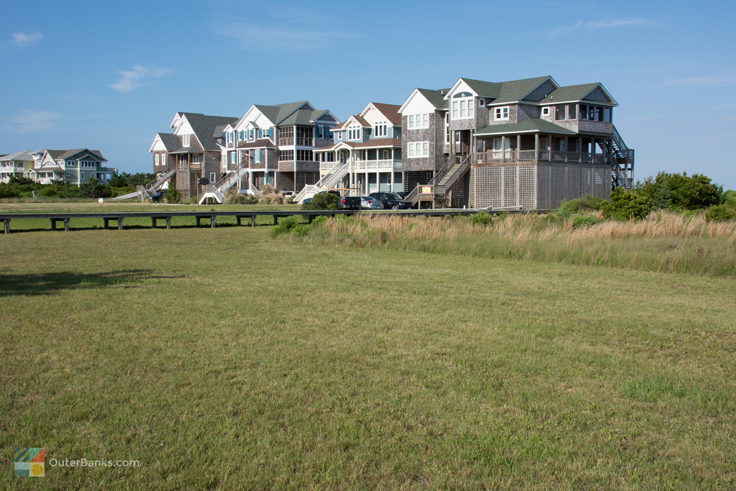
[25, 39]
[258, 37]
[718, 79]
[595, 25]
[33, 121]
[133, 78]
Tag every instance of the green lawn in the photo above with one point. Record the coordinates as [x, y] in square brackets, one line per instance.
[223, 358]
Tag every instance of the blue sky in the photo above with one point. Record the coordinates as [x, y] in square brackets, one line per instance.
[109, 75]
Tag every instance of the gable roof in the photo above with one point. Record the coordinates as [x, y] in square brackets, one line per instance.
[573, 93]
[435, 97]
[509, 91]
[23, 155]
[355, 117]
[526, 125]
[391, 111]
[171, 141]
[303, 116]
[204, 126]
[65, 154]
[277, 113]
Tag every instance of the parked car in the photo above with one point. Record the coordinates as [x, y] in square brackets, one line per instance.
[370, 203]
[391, 201]
[349, 202]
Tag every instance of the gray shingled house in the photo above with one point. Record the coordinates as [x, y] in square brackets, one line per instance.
[189, 153]
[522, 144]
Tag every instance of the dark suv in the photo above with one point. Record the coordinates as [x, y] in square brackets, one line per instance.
[391, 201]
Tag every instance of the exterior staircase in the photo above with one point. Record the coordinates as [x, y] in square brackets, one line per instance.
[329, 180]
[623, 162]
[439, 186]
[150, 189]
[218, 190]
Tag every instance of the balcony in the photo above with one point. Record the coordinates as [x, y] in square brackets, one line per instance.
[384, 165]
[511, 155]
[381, 165]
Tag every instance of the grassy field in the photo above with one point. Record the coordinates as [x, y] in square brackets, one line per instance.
[227, 359]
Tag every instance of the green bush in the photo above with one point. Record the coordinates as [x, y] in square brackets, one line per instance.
[59, 190]
[586, 203]
[627, 205]
[322, 201]
[584, 221]
[172, 195]
[8, 190]
[319, 221]
[481, 218]
[720, 213]
[285, 226]
[681, 192]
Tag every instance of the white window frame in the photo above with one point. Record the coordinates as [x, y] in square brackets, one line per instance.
[157, 159]
[502, 113]
[380, 129]
[354, 132]
[545, 111]
[418, 150]
[462, 108]
[186, 140]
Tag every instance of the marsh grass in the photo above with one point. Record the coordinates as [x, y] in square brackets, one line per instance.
[665, 241]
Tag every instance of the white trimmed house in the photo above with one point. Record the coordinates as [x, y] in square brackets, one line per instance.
[366, 155]
[274, 145]
[75, 166]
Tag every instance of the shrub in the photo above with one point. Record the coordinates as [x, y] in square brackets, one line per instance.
[8, 190]
[93, 189]
[627, 205]
[322, 201]
[272, 198]
[681, 192]
[720, 213]
[586, 203]
[172, 195]
[319, 221]
[584, 221]
[235, 199]
[480, 218]
[285, 226]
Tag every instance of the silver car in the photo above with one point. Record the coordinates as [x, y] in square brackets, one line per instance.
[371, 203]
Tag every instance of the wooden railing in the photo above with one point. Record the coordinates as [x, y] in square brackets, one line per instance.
[542, 155]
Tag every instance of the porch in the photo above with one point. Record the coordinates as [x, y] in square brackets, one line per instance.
[544, 148]
[368, 169]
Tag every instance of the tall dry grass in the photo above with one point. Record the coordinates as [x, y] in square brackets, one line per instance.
[666, 241]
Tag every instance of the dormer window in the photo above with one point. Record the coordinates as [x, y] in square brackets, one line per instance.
[462, 106]
[502, 113]
[545, 111]
[353, 132]
[186, 140]
[380, 129]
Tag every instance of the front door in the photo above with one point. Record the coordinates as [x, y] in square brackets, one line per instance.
[462, 142]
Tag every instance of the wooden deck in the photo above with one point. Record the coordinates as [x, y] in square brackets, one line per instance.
[249, 216]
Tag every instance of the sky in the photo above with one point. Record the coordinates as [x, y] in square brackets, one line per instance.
[110, 75]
